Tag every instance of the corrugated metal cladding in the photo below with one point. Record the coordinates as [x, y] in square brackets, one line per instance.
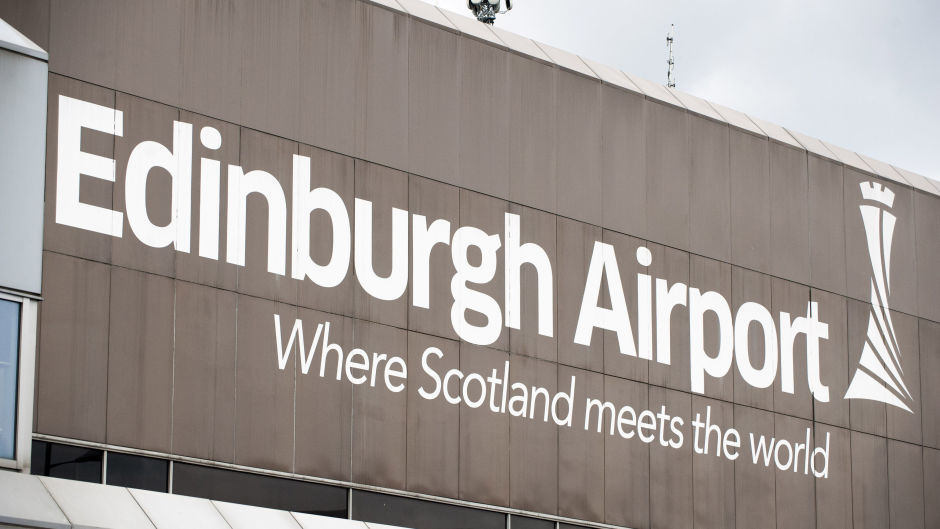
[166, 351]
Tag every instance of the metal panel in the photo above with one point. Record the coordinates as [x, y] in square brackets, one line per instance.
[575, 246]
[273, 155]
[434, 201]
[884, 169]
[611, 75]
[623, 161]
[533, 134]
[776, 132]
[539, 228]
[932, 487]
[918, 181]
[264, 407]
[710, 275]
[190, 266]
[336, 172]
[827, 238]
[488, 214]
[674, 266]
[471, 27]
[485, 136]
[249, 517]
[484, 435]
[848, 157]
[71, 395]
[534, 444]
[904, 425]
[330, 45]
[566, 60]
[149, 56]
[30, 18]
[869, 481]
[812, 144]
[84, 44]
[521, 44]
[323, 402]
[382, 88]
[581, 471]
[654, 90]
[386, 189]
[671, 485]
[930, 391]
[795, 488]
[927, 249]
[750, 201]
[616, 360]
[906, 485]
[144, 120]
[793, 298]
[668, 175]
[712, 472]
[433, 425]
[710, 210]
[755, 486]
[93, 505]
[737, 118]
[902, 282]
[204, 373]
[748, 286]
[697, 105]
[833, 359]
[578, 148]
[22, 160]
[433, 104]
[140, 360]
[834, 494]
[171, 512]
[379, 445]
[427, 12]
[789, 215]
[94, 191]
[626, 483]
[865, 415]
[211, 72]
[269, 37]
[26, 502]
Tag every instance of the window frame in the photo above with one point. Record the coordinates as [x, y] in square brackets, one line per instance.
[25, 382]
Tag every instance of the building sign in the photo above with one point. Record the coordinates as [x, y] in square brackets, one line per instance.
[479, 318]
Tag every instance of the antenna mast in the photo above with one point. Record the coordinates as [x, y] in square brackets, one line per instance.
[671, 62]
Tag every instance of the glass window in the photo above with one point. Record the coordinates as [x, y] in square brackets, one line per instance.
[68, 462]
[262, 491]
[9, 354]
[523, 522]
[419, 514]
[569, 526]
[137, 472]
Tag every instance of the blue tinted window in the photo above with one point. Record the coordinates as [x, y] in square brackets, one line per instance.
[9, 348]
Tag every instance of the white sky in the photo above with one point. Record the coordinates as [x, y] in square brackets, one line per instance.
[861, 74]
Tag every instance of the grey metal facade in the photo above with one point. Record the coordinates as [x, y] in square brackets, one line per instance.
[162, 351]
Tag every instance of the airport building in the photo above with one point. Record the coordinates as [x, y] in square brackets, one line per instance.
[349, 263]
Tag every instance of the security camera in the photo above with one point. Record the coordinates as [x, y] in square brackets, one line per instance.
[486, 10]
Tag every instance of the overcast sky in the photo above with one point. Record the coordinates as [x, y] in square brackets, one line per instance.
[861, 74]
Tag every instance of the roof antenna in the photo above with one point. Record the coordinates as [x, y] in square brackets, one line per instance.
[486, 10]
[671, 62]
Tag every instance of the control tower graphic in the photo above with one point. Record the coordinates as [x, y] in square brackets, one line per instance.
[879, 374]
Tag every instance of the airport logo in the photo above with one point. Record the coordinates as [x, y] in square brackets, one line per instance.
[879, 376]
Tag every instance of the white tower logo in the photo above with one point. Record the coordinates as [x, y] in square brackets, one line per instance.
[879, 372]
